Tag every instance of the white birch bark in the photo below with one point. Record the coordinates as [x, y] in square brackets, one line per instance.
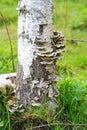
[36, 52]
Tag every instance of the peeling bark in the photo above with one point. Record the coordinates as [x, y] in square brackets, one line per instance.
[38, 49]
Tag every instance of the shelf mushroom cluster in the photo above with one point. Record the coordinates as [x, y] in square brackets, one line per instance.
[50, 52]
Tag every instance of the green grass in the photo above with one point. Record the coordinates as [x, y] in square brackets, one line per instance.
[4, 114]
[72, 102]
[70, 17]
[75, 62]
[8, 9]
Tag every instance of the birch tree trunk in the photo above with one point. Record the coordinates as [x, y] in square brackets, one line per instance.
[36, 52]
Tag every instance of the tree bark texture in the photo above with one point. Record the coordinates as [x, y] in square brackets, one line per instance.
[37, 52]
